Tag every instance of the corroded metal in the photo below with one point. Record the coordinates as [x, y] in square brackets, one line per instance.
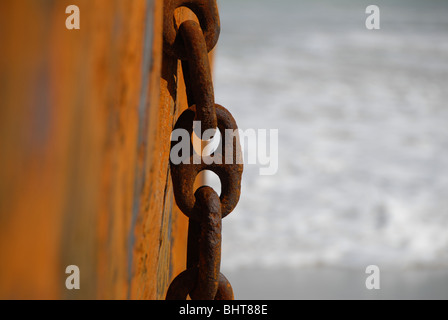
[199, 79]
[202, 279]
[204, 246]
[229, 170]
[225, 290]
[184, 283]
[208, 16]
[208, 243]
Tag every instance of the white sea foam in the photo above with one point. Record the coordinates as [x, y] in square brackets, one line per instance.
[363, 129]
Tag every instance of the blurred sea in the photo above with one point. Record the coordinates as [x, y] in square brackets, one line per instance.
[363, 137]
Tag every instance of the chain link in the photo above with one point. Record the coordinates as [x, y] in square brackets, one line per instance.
[198, 78]
[202, 280]
[208, 16]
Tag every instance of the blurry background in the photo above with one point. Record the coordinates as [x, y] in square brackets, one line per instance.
[363, 158]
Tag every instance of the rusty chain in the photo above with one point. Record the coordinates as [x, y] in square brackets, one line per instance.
[207, 13]
[202, 280]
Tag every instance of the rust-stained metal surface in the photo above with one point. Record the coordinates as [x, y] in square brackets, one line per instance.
[85, 123]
